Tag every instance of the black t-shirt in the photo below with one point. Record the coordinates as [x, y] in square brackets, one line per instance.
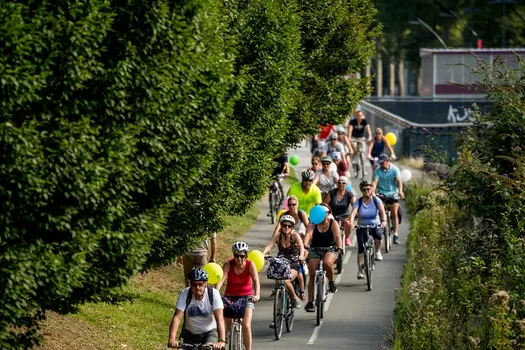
[358, 130]
[343, 206]
[281, 161]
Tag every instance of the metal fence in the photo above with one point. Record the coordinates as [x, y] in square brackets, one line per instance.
[413, 137]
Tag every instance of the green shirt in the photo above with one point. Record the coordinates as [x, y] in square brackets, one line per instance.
[306, 200]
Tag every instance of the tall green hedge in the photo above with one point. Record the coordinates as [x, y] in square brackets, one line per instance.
[130, 129]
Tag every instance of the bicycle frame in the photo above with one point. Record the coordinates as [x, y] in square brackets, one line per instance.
[282, 308]
[321, 284]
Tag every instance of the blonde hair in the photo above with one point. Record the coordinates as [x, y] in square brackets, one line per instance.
[294, 198]
[379, 130]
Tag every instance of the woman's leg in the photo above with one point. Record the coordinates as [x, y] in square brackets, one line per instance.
[289, 285]
[328, 263]
[247, 328]
[312, 266]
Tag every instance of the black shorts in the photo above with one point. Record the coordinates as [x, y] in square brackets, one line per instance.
[376, 232]
[208, 337]
[389, 199]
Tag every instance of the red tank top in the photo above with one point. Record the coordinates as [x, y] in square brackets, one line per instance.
[239, 285]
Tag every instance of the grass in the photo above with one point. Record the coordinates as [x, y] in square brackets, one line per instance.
[143, 323]
[413, 162]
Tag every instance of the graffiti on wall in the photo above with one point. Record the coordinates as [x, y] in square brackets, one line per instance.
[463, 115]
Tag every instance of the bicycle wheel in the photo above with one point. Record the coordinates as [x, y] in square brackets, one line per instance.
[368, 267]
[387, 237]
[234, 334]
[361, 166]
[319, 302]
[278, 305]
[273, 214]
[290, 314]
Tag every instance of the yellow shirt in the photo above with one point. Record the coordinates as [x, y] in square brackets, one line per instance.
[306, 200]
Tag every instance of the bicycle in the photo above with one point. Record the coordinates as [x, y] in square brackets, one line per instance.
[276, 197]
[321, 283]
[282, 307]
[370, 254]
[236, 341]
[357, 163]
[389, 237]
[339, 261]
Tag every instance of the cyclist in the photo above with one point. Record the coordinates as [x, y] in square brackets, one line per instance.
[282, 168]
[316, 164]
[241, 277]
[356, 130]
[340, 201]
[327, 177]
[389, 185]
[368, 207]
[377, 147]
[306, 192]
[203, 321]
[342, 167]
[333, 146]
[342, 138]
[290, 247]
[324, 235]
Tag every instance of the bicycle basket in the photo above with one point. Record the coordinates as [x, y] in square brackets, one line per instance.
[279, 269]
[234, 308]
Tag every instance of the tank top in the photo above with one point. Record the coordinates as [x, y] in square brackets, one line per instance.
[239, 285]
[323, 239]
[378, 148]
[291, 252]
[340, 207]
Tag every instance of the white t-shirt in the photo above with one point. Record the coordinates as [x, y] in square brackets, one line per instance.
[199, 315]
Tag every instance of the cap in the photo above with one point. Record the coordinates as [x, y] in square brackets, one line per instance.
[382, 158]
[343, 179]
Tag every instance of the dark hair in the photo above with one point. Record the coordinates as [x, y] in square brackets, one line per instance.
[328, 207]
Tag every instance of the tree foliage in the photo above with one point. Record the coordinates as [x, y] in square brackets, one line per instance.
[129, 130]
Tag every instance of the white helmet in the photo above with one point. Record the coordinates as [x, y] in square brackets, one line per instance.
[340, 128]
[288, 218]
[240, 247]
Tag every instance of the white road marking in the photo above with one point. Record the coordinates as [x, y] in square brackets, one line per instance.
[328, 301]
[315, 334]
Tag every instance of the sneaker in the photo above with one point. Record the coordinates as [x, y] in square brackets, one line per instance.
[360, 274]
[269, 214]
[379, 257]
[309, 307]
[332, 287]
[272, 325]
[296, 303]
[347, 242]
[396, 238]
[302, 296]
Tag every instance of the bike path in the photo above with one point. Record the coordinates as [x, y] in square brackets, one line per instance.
[354, 318]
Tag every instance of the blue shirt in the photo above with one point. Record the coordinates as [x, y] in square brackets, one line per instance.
[386, 180]
[368, 214]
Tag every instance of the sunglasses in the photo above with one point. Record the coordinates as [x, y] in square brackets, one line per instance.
[201, 284]
[341, 183]
[366, 189]
[315, 163]
[340, 133]
[286, 226]
[242, 256]
[378, 133]
[326, 163]
[308, 180]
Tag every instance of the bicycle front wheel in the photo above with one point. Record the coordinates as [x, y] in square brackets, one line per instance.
[386, 237]
[235, 342]
[278, 311]
[319, 302]
[369, 256]
[273, 214]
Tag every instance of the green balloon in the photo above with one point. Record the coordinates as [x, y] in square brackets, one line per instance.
[294, 160]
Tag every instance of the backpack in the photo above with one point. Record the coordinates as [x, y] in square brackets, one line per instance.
[188, 301]
[374, 198]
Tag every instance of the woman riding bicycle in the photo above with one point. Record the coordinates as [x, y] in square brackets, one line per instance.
[290, 247]
[239, 274]
[377, 146]
[369, 208]
[340, 201]
[326, 234]
[327, 177]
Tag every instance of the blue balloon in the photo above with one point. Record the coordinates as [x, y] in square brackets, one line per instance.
[349, 186]
[317, 214]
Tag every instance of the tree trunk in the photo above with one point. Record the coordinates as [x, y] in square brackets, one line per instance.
[392, 78]
[401, 76]
[379, 76]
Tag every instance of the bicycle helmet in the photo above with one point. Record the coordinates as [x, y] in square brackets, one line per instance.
[333, 136]
[340, 128]
[199, 274]
[364, 183]
[288, 218]
[326, 159]
[308, 174]
[240, 247]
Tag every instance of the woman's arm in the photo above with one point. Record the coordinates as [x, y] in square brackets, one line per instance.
[382, 214]
[352, 217]
[327, 198]
[270, 244]
[387, 144]
[337, 234]
[368, 131]
[304, 218]
[225, 269]
[277, 228]
[349, 145]
[308, 235]
[370, 146]
[256, 284]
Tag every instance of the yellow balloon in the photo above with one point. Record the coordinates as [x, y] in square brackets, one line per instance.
[391, 138]
[279, 213]
[214, 271]
[257, 258]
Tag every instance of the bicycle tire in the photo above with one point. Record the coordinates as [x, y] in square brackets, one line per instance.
[273, 214]
[368, 267]
[234, 343]
[386, 237]
[319, 302]
[278, 305]
[290, 314]
[362, 166]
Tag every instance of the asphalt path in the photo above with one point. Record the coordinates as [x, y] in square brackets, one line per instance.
[354, 318]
